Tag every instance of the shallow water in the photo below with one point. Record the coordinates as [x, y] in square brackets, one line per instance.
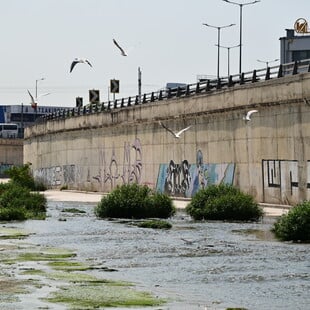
[196, 265]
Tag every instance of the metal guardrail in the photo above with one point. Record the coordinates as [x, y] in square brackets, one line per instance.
[202, 86]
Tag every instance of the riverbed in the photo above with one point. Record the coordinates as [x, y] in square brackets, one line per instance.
[194, 265]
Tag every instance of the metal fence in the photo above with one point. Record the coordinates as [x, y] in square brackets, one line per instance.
[202, 86]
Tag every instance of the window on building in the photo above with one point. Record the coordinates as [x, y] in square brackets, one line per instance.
[300, 55]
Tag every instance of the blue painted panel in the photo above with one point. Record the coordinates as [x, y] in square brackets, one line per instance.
[2, 119]
[184, 180]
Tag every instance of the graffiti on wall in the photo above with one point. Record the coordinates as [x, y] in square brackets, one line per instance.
[283, 174]
[112, 170]
[56, 175]
[109, 167]
[184, 179]
[3, 168]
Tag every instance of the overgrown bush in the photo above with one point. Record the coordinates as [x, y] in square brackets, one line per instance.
[18, 203]
[134, 201]
[295, 225]
[21, 175]
[223, 202]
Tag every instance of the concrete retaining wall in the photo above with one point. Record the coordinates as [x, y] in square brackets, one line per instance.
[267, 157]
[11, 153]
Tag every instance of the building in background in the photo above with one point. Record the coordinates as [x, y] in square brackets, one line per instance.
[24, 116]
[296, 45]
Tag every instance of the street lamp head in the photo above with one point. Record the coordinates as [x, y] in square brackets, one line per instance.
[219, 27]
[241, 4]
[268, 60]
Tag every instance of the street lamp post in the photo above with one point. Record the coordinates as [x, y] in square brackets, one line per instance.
[37, 86]
[241, 5]
[267, 62]
[228, 56]
[218, 44]
[36, 108]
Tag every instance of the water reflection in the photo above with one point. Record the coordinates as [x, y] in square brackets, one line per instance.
[197, 265]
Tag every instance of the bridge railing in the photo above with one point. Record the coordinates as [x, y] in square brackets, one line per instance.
[203, 85]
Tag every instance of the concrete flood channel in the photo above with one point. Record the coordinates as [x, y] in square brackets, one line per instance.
[194, 265]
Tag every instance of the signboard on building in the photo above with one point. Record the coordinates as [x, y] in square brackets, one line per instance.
[301, 26]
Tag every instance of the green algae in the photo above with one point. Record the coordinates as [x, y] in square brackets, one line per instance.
[69, 266]
[71, 277]
[96, 296]
[35, 272]
[48, 254]
[77, 277]
[73, 210]
[12, 233]
[79, 289]
[155, 224]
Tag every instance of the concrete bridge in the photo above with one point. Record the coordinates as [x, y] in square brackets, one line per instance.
[97, 147]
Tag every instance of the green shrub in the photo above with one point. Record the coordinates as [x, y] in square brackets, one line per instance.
[22, 176]
[223, 202]
[155, 224]
[18, 203]
[295, 225]
[134, 201]
[12, 214]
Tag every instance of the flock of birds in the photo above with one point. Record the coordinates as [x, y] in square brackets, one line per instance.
[86, 61]
[34, 100]
[177, 134]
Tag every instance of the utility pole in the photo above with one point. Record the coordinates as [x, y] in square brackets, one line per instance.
[218, 43]
[139, 83]
[241, 5]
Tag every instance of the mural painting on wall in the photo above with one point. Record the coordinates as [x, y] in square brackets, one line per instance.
[283, 174]
[184, 179]
[109, 166]
[4, 167]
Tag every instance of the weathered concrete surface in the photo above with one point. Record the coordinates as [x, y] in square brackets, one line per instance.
[270, 154]
[11, 153]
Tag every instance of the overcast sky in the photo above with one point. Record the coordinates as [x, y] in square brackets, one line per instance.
[166, 38]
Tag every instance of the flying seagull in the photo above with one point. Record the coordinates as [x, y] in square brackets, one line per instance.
[79, 60]
[175, 134]
[122, 51]
[248, 115]
[34, 101]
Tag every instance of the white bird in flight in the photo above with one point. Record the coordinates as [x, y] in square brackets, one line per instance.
[34, 101]
[122, 51]
[79, 60]
[248, 115]
[175, 134]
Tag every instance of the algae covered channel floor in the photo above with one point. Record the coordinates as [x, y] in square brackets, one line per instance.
[193, 265]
